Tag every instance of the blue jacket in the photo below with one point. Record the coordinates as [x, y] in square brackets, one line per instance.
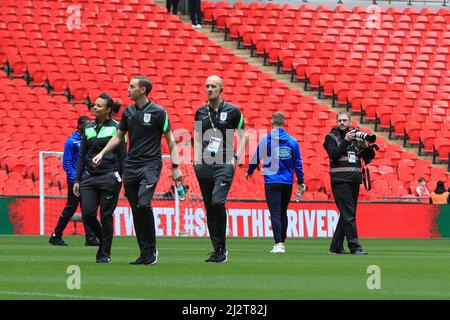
[70, 157]
[280, 154]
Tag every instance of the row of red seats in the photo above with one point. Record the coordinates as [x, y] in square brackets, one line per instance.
[22, 167]
[276, 9]
[338, 79]
[310, 156]
[230, 75]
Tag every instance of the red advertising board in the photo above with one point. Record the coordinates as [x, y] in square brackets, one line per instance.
[249, 219]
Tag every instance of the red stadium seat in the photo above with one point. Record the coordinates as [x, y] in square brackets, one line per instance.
[442, 146]
[413, 131]
[79, 95]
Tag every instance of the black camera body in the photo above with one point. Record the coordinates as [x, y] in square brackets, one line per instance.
[364, 136]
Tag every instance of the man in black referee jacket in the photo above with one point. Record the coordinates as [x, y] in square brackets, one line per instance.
[215, 159]
[145, 123]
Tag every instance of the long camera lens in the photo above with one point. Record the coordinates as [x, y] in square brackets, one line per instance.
[366, 136]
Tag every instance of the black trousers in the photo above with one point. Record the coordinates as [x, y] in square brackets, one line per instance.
[346, 198]
[67, 213]
[173, 4]
[195, 11]
[100, 191]
[215, 183]
[140, 185]
[278, 196]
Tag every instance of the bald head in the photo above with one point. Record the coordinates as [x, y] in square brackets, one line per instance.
[214, 86]
[215, 79]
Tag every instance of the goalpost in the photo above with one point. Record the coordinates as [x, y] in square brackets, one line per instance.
[53, 194]
[43, 185]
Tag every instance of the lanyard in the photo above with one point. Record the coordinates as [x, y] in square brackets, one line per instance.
[210, 118]
[143, 110]
[144, 107]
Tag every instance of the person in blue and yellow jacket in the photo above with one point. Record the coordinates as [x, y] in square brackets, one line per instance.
[281, 156]
[70, 158]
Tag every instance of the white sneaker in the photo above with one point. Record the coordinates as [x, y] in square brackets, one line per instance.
[194, 26]
[199, 26]
[278, 248]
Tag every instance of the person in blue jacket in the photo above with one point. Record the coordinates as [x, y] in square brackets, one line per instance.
[70, 159]
[281, 156]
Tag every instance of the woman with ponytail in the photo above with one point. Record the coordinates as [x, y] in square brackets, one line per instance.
[99, 186]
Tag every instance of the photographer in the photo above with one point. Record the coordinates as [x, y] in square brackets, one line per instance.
[345, 151]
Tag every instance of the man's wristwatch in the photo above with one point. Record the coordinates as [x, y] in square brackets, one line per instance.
[174, 165]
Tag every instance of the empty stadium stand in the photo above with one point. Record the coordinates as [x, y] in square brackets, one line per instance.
[52, 73]
[390, 66]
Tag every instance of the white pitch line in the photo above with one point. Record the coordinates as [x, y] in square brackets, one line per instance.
[58, 295]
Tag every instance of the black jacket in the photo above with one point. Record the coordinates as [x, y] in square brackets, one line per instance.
[341, 170]
[94, 140]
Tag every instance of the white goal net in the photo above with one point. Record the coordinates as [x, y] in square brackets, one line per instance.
[53, 198]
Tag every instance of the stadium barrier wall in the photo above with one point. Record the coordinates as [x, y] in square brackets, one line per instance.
[20, 215]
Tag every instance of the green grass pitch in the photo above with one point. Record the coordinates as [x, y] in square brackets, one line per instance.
[30, 268]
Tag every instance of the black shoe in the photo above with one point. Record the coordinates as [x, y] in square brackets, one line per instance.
[56, 241]
[212, 257]
[139, 260]
[358, 252]
[337, 252]
[92, 242]
[151, 259]
[104, 259]
[222, 256]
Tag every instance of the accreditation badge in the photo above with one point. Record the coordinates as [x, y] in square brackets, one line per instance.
[351, 157]
[213, 146]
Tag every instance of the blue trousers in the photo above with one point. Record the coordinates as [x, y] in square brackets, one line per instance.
[278, 196]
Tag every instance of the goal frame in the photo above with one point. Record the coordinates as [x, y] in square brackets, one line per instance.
[43, 154]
